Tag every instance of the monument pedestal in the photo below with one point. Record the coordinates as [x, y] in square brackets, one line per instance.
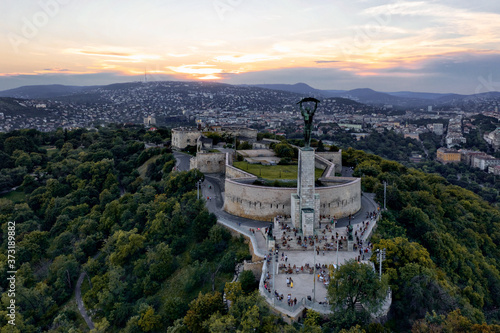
[295, 211]
[307, 222]
[305, 203]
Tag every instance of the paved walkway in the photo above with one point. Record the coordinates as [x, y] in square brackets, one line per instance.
[79, 301]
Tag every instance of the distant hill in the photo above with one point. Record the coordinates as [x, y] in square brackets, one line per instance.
[364, 95]
[482, 96]
[121, 92]
[44, 91]
[12, 106]
[299, 88]
[370, 96]
[419, 95]
[397, 99]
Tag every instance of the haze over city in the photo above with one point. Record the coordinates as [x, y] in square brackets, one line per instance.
[434, 46]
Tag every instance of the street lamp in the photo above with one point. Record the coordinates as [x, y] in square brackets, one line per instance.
[314, 279]
[380, 258]
[198, 185]
[385, 194]
[337, 253]
[275, 257]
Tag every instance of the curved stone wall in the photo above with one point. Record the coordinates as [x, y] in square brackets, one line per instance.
[263, 203]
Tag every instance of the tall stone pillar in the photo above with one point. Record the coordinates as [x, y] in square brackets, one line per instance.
[305, 202]
[305, 178]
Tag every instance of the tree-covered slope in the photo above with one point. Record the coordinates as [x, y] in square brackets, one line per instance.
[442, 242]
[147, 244]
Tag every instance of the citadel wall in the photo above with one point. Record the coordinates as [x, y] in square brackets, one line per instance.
[209, 162]
[250, 133]
[263, 203]
[334, 157]
[183, 137]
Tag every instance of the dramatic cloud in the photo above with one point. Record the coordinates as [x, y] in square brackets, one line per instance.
[426, 44]
[465, 73]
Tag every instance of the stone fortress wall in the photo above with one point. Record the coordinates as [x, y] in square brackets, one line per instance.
[264, 203]
[209, 162]
[249, 133]
[188, 136]
[185, 136]
[333, 157]
[340, 198]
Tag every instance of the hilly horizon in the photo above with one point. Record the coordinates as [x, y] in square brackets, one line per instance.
[361, 95]
[44, 91]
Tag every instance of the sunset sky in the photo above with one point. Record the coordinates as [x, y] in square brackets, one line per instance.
[432, 46]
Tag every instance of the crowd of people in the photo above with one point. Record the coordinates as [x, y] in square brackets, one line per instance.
[328, 238]
[289, 269]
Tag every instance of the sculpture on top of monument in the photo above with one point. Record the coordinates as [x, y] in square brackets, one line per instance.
[308, 113]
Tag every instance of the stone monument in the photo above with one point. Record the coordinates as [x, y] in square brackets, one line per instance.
[305, 203]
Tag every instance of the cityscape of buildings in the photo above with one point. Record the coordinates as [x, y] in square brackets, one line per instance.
[211, 105]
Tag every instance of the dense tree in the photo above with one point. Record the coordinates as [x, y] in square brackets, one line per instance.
[248, 281]
[452, 322]
[201, 309]
[284, 150]
[357, 283]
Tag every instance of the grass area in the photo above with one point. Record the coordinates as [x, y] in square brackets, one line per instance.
[51, 150]
[143, 168]
[273, 171]
[16, 196]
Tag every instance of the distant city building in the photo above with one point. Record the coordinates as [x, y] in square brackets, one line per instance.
[494, 170]
[467, 155]
[360, 136]
[454, 140]
[150, 120]
[455, 136]
[493, 138]
[485, 161]
[437, 128]
[429, 108]
[356, 127]
[412, 136]
[250, 134]
[446, 155]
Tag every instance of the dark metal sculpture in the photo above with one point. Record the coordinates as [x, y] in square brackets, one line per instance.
[308, 113]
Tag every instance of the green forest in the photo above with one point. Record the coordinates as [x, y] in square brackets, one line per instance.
[442, 243]
[154, 260]
[147, 244]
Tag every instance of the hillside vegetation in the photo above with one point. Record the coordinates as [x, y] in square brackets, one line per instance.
[442, 242]
[157, 260]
